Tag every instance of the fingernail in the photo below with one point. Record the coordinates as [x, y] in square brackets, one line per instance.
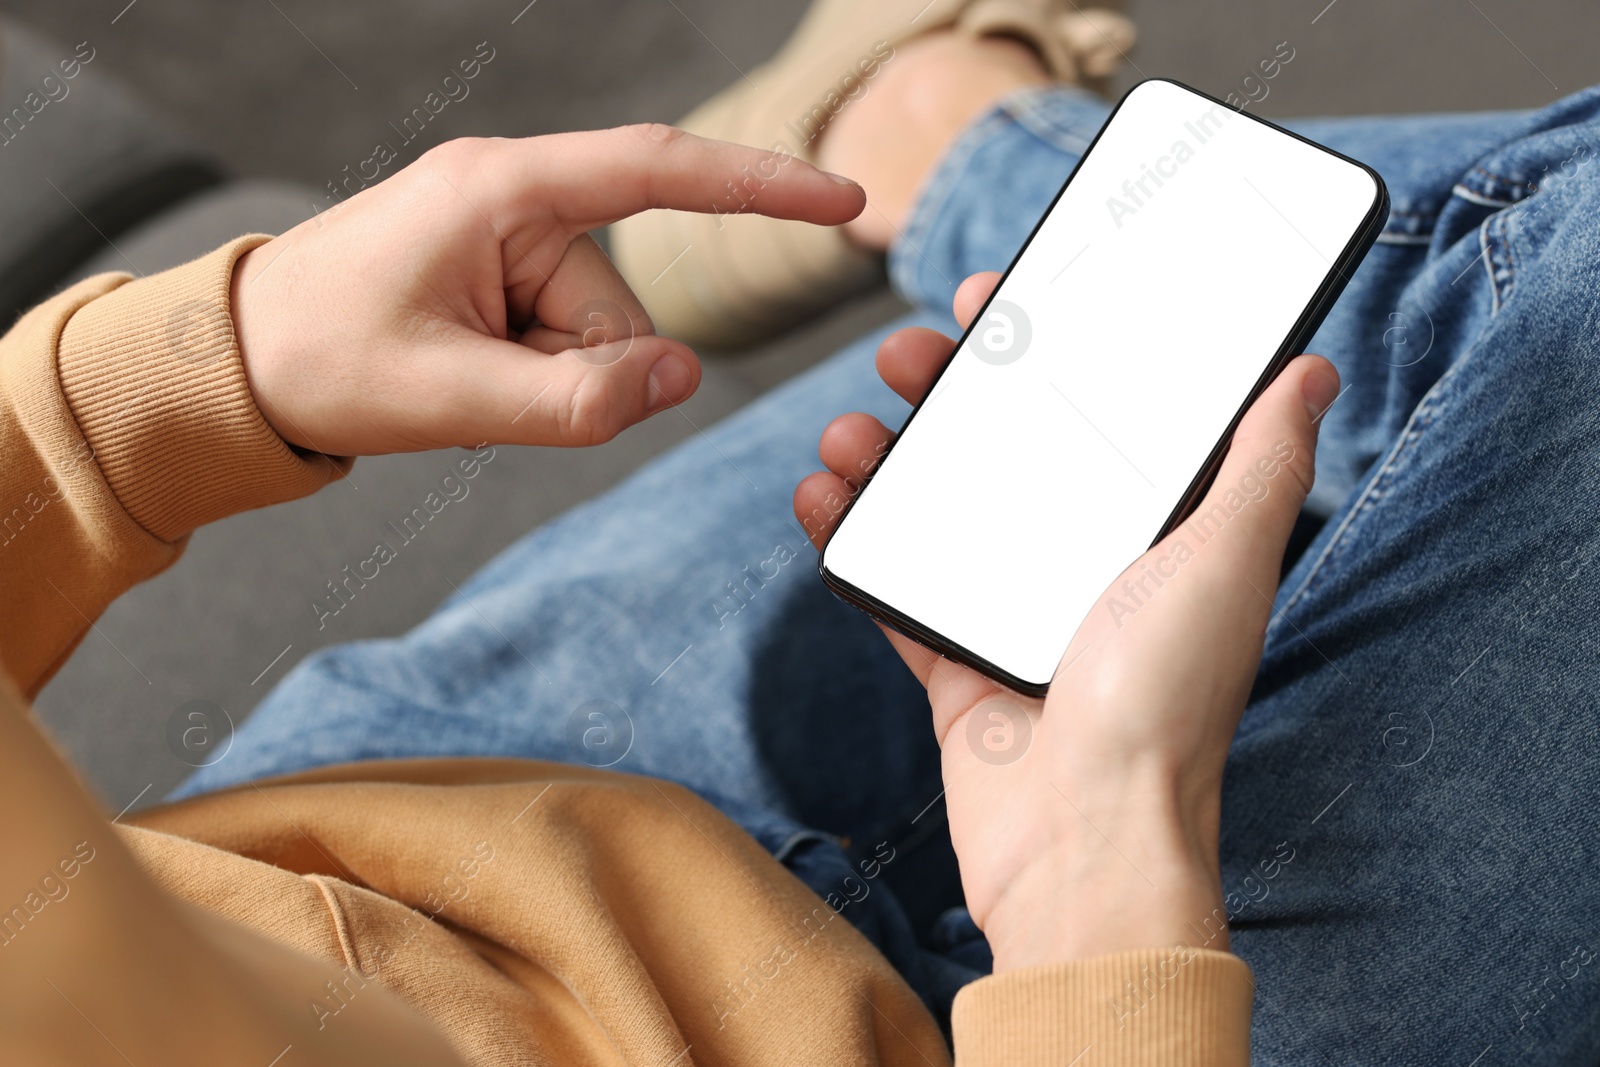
[1320, 390]
[841, 179]
[669, 382]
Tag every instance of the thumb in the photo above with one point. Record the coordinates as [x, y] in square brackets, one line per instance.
[1249, 512]
[574, 398]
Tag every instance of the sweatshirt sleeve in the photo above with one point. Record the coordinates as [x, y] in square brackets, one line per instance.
[1133, 1009]
[126, 422]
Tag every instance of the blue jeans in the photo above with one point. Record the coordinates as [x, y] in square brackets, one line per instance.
[1412, 805]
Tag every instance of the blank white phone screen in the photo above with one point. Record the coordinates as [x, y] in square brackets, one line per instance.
[1089, 395]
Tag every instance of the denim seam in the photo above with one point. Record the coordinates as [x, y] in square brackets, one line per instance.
[1424, 415]
[1400, 238]
[930, 202]
[1499, 260]
[1025, 109]
[1515, 183]
[1422, 234]
[1031, 109]
[1472, 196]
[1468, 186]
[1375, 489]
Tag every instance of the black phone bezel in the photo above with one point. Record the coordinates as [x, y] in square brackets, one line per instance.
[1300, 335]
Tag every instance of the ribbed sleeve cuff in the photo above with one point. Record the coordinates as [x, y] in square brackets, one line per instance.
[152, 373]
[1133, 1009]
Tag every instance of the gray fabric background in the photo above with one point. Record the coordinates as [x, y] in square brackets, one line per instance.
[293, 90]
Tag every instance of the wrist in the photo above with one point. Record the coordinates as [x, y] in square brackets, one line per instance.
[249, 325]
[1140, 873]
[151, 373]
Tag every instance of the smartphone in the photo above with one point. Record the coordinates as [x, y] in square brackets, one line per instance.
[1188, 257]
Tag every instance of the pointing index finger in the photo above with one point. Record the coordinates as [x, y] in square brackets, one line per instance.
[593, 179]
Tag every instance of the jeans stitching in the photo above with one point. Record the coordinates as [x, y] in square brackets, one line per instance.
[1029, 110]
[1035, 111]
[932, 199]
[1421, 418]
[1517, 189]
[1498, 258]
[1409, 227]
[1374, 491]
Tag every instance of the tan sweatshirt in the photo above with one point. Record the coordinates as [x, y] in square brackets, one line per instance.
[429, 912]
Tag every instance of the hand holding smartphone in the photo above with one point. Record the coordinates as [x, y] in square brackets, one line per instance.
[1190, 255]
[1131, 742]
